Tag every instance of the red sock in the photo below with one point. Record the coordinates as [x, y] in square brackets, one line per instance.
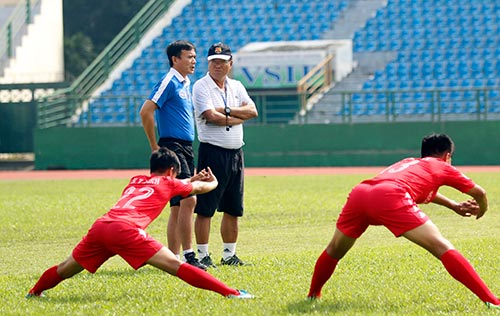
[323, 270]
[203, 280]
[48, 280]
[462, 270]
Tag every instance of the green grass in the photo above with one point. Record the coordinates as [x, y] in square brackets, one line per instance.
[288, 222]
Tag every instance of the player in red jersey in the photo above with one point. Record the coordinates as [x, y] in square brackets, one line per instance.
[390, 199]
[121, 230]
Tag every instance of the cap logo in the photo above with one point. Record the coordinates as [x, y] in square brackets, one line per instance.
[218, 50]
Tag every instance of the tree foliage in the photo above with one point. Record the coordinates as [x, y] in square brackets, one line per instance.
[89, 25]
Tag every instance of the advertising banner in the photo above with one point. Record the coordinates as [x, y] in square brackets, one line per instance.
[282, 64]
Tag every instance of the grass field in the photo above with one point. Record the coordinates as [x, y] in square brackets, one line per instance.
[287, 224]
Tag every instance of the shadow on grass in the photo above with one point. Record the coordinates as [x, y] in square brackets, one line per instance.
[328, 307]
[307, 306]
[81, 288]
[73, 298]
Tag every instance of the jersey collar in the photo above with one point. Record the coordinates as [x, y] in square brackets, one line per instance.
[179, 76]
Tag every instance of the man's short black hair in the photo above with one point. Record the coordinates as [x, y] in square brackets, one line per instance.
[164, 159]
[435, 145]
[176, 48]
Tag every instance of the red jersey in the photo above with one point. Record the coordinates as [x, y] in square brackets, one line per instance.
[422, 177]
[144, 198]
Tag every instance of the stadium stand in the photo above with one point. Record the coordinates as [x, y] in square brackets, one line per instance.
[441, 45]
[234, 22]
[446, 54]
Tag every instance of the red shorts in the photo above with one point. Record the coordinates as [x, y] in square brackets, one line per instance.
[384, 204]
[106, 239]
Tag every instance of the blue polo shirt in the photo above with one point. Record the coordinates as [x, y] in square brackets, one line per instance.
[172, 95]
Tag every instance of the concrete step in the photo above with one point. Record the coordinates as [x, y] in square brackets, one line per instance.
[353, 18]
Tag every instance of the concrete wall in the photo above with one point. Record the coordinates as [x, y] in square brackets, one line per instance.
[17, 122]
[40, 58]
[275, 145]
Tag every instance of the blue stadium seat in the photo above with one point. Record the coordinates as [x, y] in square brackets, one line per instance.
[359, 109]
[494, 106]
[421, 108]
[478, 83]
[494, 94]
[470, 107]
[492, 82]
[381, 108]
[405, 108]
[466, 83]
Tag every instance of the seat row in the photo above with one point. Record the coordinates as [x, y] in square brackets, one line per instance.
[420, 108]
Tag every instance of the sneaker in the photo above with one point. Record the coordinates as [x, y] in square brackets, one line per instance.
[31, 295]
[192, 260]
[207, 261]
[492, 306]
[233, 261]
[242, 294]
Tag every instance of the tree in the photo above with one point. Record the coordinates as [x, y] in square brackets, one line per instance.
[78, 54]
[89, 26]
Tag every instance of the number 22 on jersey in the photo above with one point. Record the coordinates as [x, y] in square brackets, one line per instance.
[133, 194]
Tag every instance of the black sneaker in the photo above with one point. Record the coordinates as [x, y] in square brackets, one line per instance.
[207, 261]
[233, 261]
[192, 260]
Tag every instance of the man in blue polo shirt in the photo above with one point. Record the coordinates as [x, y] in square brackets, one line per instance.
[169, 104]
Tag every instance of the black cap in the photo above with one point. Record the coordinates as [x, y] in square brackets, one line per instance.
[219, 51]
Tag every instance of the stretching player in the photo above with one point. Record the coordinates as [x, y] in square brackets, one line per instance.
[121, 230]
[391, 199]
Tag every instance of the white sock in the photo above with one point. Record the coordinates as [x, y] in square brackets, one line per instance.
[178, 256]
[202, 251]
[229, 250]
[186, 252]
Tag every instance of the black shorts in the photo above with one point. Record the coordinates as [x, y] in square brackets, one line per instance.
[184, 151]
[227, 165]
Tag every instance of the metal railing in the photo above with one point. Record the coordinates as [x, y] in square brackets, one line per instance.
[283, 107]
[315, 82]
[59, 109]
[433, 105]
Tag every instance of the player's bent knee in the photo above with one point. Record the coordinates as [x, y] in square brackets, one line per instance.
[69, 268]
[165, 260]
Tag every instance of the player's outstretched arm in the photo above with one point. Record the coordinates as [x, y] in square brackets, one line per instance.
[445, 201]
[466, 208]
